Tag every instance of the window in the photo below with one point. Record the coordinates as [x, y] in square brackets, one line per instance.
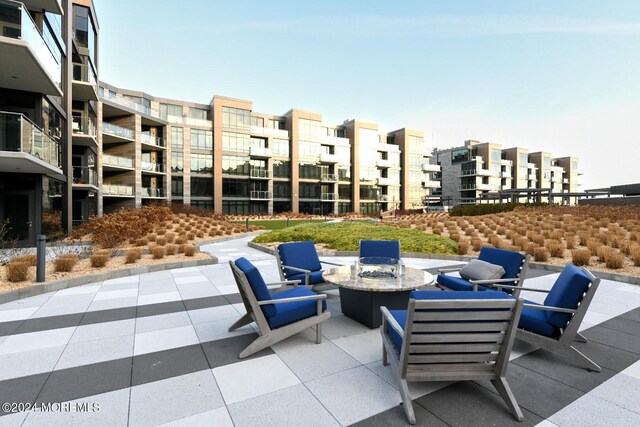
[368, 193]
[459, 155]
[309, 149]
[496, 155]
[281, 190]
[201, 163]
[234, 165]
[344, 208]
[344, 173]
[232, 207]
[344, 191]
[280, 147]
[177, 186]
[281, 207]
[281, 169]
[309, 171]
[177, 162]
[202, 204]
[201, 139]
[235, 188]
[177, 137]
[201, 187]
[257, 122]
[197, 113]
[276, 124]
[309, 191]
[238, 142]
[524, 158]
[167, 110]
[84, 30]
[308, 127]
[236, 118]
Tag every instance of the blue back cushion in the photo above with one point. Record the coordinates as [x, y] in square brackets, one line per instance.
[380, 248]
[257, 285]
[566, 292]
[299, 254]
[432, 295]
[511, 261]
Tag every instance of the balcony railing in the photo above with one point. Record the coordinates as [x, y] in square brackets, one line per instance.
[532, 177]
[189, 121]
[260, 173]
[282, 133]
[384, 181]
[152, 140]
[261, 195]
[428, 167]
[329, 177]
[119, 131]
[468, 187]
[384, 163]
[85, 175]
[151, 167]
[16, 23]
[328, 158]
[126, 102]
[19, 134]
[83, 125]
[152, 192]
[382, 198]
[431, 184]
[328, 197]
[84, 73]
[260, 151]
[117, 190]
[480, 172]
[117, 161]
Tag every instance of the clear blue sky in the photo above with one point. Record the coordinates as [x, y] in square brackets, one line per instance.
[558, 76]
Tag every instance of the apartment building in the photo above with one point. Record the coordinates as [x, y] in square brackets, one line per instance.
[48, 111]
[482, 172]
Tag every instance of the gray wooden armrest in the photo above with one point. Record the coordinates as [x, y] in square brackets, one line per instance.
[331, 263]
[285, 282]
[550, 308]
[546, 291]
[293, 299]
[448, 270]
[491, 281]
[392, 321]
[302, 270]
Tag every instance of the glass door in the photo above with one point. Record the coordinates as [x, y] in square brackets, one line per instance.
[19, 211]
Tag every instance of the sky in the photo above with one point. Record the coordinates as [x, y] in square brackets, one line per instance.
[547, 75]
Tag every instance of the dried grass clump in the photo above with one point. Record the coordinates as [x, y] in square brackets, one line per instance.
[188, 250]
[171, 249]
[65, 263]
[496, 242]
[152, 237]
[99, 261]
[132, 255]
[555, 248]
[170, 237]
[570, 241]
[476, 243]
[158, 252]
[538, 239]
[179, 240]
[142, 241]
[463, 247]
[541, 254]
[613, 259]
[161, 240]
[161, 231]
[581, 257]
[593, 245]
[30, 259]
[635, 255]
[17, 271]
[191, 236]
[200, 234]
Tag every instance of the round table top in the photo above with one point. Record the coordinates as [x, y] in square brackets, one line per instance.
[345, 276]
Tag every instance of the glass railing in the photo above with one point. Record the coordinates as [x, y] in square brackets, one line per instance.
[382, 198]
[119, 131]
[260, 173]
[83, 125]
[328, 158]
[117, 190]
[260, 151]
[189, 121]
[152, 140]
[329, 177]
[126, 102]
[152, 192]
[269, 131]
[328, 197]
[84, 73]
[19, 134]
[261, 195]
[16, 23]
[117, 161]
[85, 175]
[151, 167]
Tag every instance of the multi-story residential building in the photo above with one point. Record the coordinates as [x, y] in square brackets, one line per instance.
[48, 112]
[479, 172]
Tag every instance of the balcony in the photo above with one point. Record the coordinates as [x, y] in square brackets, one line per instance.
[333, 140]
[328, 158]
[431, 184]
[32, 66]
[505, 162]
[260, 152]
[258, 173]
[384, 181]
[84, 83]
[128, 103]
[328, 197]
[261, 195]
[149, 167]
[117, 190]
[428, 167]
[84, 176]
[475, 187]
[384, 163]
[25, 148]
[84, 131]
[388, 147]
[383, 198]
[113, 133]
[53, 6]
[190, 121]
[153, 141]
[280, 133]
[507, 174]
[155, 193]
[328, 177]
[532, 177]
[110, 162]
[478, 172]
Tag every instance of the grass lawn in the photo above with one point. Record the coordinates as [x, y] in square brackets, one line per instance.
[277, 224]
[344, 236]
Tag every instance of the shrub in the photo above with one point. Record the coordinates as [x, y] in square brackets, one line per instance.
[555, 248]
[463, 247]
[189, 250]
[152, 237]
[635, 255]
[541, 254]
[476, 243]
[496, 242]
[613, 259]
[581, 257]
[64, 263]
[161, 231]
[570, 241]
[538, 240]
[601, 252]
[17, 271]
[171, 249]
[191, 236]
[142, 241]
[161, 240]
[99, 261]
[132, 255]
[200, 234]
[30, 259]
[179, 240]
[158, 252]
[593, 245]
[170, 237]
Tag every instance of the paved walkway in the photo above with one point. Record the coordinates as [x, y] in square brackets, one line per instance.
[154, 349]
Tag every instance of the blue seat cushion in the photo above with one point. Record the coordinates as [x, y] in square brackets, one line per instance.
[511, 261]
[380, 248]
[457, 283]
[401, 318]
[567, 292]
[535, 320]
[314, 278]
[293, 311]
[299, 254]
[258, 286]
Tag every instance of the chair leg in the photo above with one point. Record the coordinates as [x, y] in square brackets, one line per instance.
[406, 401]
[385, 356]
[505, 391]
[318, 333]
[260, 343]
[244, 320]
[580, 338]
[578, 358]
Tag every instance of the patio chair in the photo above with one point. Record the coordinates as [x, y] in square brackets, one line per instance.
[299, 261]
[554, 324]
[374, 250]
[514, 264]
[279, 315]
[451, 336]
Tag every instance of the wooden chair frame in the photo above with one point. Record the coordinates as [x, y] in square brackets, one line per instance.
[282, 267]
[254, 313]
[563, 345]
[461, 352]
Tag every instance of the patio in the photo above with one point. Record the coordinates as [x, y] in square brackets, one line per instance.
[154, 349]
